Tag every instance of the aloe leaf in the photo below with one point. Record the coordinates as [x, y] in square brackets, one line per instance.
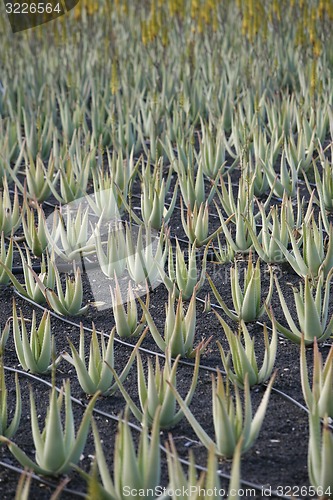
[54, 453]
[152, 327]
[21, 457]
[221, 301]
[294, 330]
[81, 370]
[102, 465]
[81, 436]
[200, 432]
[12, 428]
[134, 409]
[260, 413]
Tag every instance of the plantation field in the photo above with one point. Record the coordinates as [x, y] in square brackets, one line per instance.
[166, 251]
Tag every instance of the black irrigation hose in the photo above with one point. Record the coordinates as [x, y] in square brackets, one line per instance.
[41, 479]
[222, 474]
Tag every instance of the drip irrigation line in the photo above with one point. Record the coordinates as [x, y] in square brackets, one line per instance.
[41, 479]
[222, 474]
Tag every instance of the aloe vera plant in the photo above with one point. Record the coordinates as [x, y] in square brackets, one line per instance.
[247, 303]
[276, 229]
[324, 183]
[316, 255]
[72, 233]
[39, 178]
[97, 376]
[179, 328]
[212, 153]
[230, 425]
[133, 472]
[182, 277]
[320, 396]
[142, 257]
[243, 356]
[34, 284]
[320, 456]
[153, 194]
[127, 323]
[112, 259]
[36, 235]
[224, 253]
[111, 185]
[70, 302]
[74, 176]
[286, 180]
[312, 312]
[191, 183]
[196, 224]
[239, 240]
[34, 354]
[57, 449]
[8, 430]
[156, 392]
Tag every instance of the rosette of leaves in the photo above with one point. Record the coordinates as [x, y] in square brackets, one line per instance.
[70, 302]
[40, 178]
[243, 356]
[72, 233]
[143, 255]
[196, 224]
[179, 328]
[34, 284]
[230, 424]
[247, 303]
[36, 235]
[74, 175]
[111, 185]
[300, 153]
[182, 277]
[34, 354]
[239, 240]
[285, 181]
[276, 229]
[155, 391]
[132, 471]
[317, 254]
[8, 430]
[320, 396]
[112, 259]
[97, 376]
[153, 193]
[312, 311]
[191, 182]
[127, 323]
[57, 448]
